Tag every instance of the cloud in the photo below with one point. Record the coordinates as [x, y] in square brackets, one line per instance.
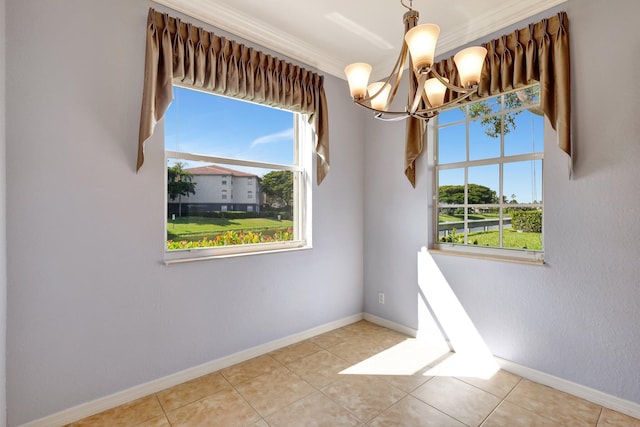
[285, 135]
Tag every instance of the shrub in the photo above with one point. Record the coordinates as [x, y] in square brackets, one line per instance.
[529, 221]
[232, 237]
[453, 237]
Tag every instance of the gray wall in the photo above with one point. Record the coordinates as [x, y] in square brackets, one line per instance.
[577, 316]
[92, 309]
[3, 221]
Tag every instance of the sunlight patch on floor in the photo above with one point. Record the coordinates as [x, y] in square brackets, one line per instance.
[407, 358]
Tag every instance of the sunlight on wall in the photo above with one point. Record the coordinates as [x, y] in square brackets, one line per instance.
[472, 357]
[430, 354]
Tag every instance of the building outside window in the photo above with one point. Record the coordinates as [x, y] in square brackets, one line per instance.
[265, 152]
[488, 190]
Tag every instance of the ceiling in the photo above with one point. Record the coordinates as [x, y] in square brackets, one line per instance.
[330, 34]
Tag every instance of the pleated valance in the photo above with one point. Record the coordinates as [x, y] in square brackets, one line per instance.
[538, 53]
[181, 53]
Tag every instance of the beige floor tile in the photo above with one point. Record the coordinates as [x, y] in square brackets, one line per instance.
[156, 422]
[250, 369]
[319, 369]
[331, 338]
[457, 399]
[406, 383]
[261, 423]
[226, 408]
[130, 414]
[362, 327]
[500, 384]
[296, 351]
[412, 412]
[275, 390]
[510, 415]
[193, 390]
[556, 405]
[356, 350]
[315, 410]
[365, 396]
[609, 418]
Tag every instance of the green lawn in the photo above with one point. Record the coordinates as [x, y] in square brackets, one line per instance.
[512, 239]
[191, 228]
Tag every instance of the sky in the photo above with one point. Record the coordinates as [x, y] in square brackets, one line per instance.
[199, 123]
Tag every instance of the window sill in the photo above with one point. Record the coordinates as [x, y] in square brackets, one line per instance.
[187, 256]
[528, 258]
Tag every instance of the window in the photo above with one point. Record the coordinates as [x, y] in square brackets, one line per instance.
[209, 141]
[488, 175]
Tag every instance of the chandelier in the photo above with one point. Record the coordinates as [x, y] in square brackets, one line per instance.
[429, 87]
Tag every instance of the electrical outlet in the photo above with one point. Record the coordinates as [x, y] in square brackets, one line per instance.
[381, 297]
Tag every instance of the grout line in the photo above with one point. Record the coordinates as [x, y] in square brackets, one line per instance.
[599, 416]
[163, 410]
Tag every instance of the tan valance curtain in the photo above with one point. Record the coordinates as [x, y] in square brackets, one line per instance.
[182, 53]
[538, 53]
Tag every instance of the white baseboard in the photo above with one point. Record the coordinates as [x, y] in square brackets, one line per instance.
[391, 325]
[603, 399]
[102, 404]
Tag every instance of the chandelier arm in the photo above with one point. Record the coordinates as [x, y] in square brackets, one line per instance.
[391, 113]
[453, 87]
[417, 96]
[428, 113]
[381, 116]
[395, 71]
[398, 69]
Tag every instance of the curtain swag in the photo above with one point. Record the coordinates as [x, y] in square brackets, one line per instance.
[538, 53]
[181, 53]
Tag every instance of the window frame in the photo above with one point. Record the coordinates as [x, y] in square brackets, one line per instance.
[302, 170]
[465, 249]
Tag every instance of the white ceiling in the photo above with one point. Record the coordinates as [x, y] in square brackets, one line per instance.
[330, 34]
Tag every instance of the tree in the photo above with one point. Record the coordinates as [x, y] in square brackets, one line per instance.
[179, 183]
[478, 194]
[278, 186]
[492, 124]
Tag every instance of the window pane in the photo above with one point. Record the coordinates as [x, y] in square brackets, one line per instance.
[452, 115]
[451, 225]
[484, 138]
[523, 182]
[452, 146]
[451, 186]
[526, 229]
[484, 226]
[525, 135]
[484, 184]
[255, 206]
[201, 123]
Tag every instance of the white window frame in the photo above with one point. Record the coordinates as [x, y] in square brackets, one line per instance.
[304, 139]
[501, 253]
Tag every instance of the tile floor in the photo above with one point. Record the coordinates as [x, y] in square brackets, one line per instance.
[359, 375]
